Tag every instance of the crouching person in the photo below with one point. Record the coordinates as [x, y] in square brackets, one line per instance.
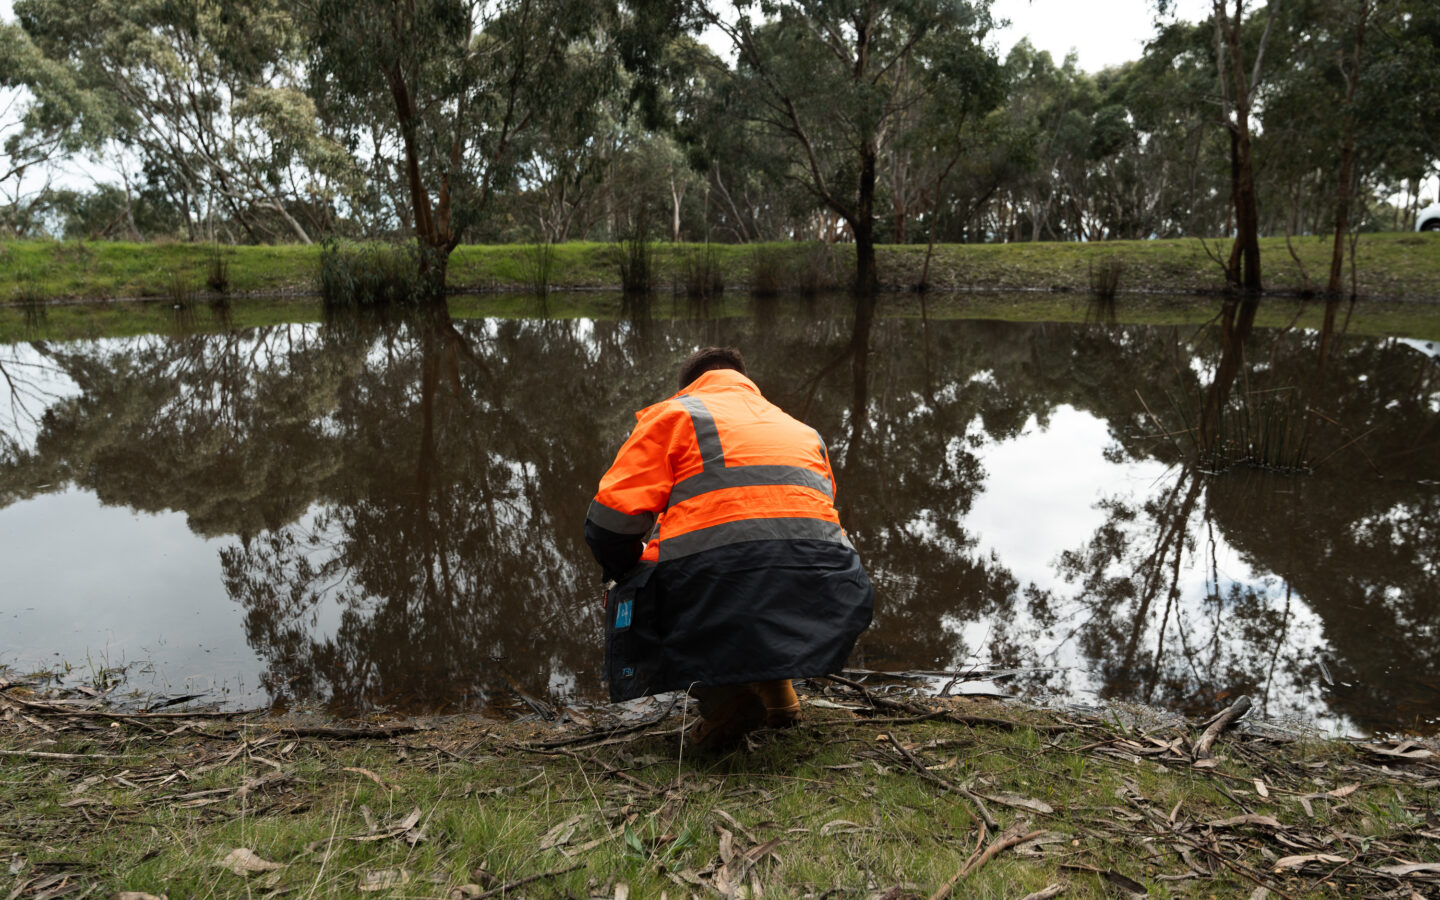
[717, 522]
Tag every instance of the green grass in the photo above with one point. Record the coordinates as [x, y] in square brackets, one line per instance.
[1391, 265]
[78, 321]
[848, 812]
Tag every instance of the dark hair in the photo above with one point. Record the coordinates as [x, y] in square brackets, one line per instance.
[707, 359]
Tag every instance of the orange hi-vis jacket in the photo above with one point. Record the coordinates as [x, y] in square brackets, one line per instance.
[718, 519]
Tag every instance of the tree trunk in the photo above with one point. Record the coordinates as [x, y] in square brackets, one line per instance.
[677, 193]
[867, 280]
[1347, 159]
[1247, 219]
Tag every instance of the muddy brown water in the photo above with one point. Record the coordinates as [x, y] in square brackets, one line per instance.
[387, 513]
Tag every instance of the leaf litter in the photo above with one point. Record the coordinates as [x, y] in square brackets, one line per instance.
[1273, 817]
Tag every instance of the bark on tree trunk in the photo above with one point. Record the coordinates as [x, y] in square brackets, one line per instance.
[1247, 219]
[1347, 159]
[867, 280]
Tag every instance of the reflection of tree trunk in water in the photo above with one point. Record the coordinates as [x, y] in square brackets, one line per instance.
[860, 373]
[1327, 329]
[441, 347]
[1275, 655]
[925, 337]
[1170, 539]
[1235, 329]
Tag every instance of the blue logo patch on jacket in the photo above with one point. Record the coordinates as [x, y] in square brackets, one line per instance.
[622, 614]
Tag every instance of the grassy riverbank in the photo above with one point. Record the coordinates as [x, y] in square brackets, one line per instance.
[1389, 265]
[78, 321]
[896, 800]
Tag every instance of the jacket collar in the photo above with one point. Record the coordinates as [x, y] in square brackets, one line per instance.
[717, 380]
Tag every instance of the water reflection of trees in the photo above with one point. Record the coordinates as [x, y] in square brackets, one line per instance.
[406, 496]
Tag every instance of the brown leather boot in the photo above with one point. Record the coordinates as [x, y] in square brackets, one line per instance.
[727, 715]
[782, 707]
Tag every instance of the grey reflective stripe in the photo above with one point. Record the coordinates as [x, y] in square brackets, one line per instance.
[618, 522]
[707, 436]
[825, 458]
[751, 530]
[748, 476]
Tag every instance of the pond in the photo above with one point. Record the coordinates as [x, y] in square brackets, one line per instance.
[387, 513]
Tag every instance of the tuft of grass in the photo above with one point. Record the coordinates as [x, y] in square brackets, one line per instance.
[815, 273]
[179, 290]
[537, 262]
[1105, 276]
[361, 275]
[217, 271]
[637, 265]
[768, 270]
[1262, 429]
[701, 272]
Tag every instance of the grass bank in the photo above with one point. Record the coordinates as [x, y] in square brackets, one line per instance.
[82, 321]
[1400, 265]
[872, 796]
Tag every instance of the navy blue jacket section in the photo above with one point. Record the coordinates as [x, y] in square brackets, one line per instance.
[616, 553]
[751, 611]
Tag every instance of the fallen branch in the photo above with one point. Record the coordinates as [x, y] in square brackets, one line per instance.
[1222, 722]
[960, 789]
[608, 769]
[604, 735]
[104, 714]
[871, 698]
[1012, 836]
[41, 754]
[347, 733]
[521, 882]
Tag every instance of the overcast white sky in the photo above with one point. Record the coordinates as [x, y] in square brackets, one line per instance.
[1102, 32]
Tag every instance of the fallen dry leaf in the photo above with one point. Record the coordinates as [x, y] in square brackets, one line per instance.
[1411, 869]
[1407, 750]
[244, 861]
[1299, 862]
[1018, 802]
[1252, 819]
[405, 826]
[560, 835]
[370, 775]
[139, 895]
[1345, 791]
[383, 879]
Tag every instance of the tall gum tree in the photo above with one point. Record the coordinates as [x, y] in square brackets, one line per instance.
[1240, 74]
[834, 79]
[206, 95]
[454, 84]
[45, 114]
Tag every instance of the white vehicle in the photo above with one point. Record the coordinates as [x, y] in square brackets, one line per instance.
[1428, 219]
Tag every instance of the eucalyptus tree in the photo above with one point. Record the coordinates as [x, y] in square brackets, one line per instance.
[453, 85]
[1240, 41]
[45, 114]
[833, 78]
[1357, 107]
[207, 95]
